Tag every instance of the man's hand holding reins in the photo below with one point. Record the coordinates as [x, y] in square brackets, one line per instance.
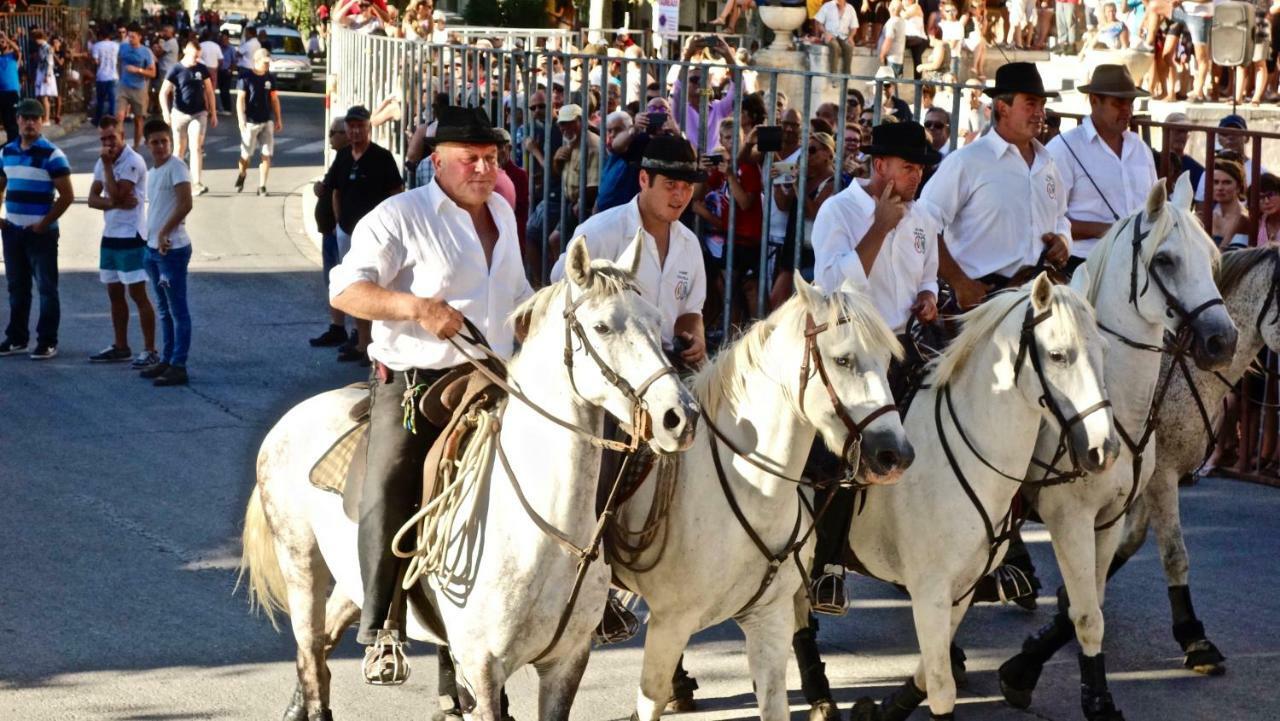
[438, 317]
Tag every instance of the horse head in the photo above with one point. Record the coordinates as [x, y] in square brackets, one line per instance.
[1172, 274]
[608, 337]
[843, 388]
[1059, 368]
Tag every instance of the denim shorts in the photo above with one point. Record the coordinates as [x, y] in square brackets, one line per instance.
[1198, 27]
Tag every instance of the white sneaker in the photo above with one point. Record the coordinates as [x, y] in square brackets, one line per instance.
[145, 359]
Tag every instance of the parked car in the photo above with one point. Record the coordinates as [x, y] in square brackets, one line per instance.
[233, 24]
[289, 61]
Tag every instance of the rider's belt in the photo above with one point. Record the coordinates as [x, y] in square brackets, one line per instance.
[996, 281]
[385, 374]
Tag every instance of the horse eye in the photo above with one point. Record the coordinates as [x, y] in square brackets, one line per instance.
[1164, 261]
[844, 361]
[1057, 356]
[600, 328]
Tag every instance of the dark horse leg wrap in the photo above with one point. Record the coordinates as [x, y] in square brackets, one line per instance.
[297, 710]
[682, 684]
[1019, 675]
[1201, 655]
[813, 676]
[446, 678]
[898, 705]
[1095, 699]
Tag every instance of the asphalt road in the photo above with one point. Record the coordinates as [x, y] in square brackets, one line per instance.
[120, 509]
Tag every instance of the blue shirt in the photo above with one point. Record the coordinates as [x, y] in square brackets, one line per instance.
[619, 184]
[30, 173]
[9, 73]
[140, 57]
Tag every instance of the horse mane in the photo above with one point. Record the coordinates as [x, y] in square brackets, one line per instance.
[724, 379]
[606, 279]
[1161, 226]
[981, 323]
[1234, 266]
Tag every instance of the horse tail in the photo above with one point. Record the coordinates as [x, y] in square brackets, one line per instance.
[268, 590]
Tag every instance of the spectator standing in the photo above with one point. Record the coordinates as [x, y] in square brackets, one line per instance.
[1198, 19]
[567, 163]
[327, 224]
[785, 167]
[1106, 169]
[937, 124]
[1171, 163]
[1269, 204]
[716, 108]
[119, 190]
[1235, 143]
[819, 185]
[839, 23]
[519, 179]
[168, 57]
[137, 66]
[225, 65]
[46, 72]
[186, 102]
[30, 231]
[363, 174]
[1230, 229]
[546, 214]
[10, 86]
[258, 112]
[105, 54]
[168, 252]
[248, 47]
[1067, 26]
[917, 38]
[893, 40]
[620, 180]
[211, 58]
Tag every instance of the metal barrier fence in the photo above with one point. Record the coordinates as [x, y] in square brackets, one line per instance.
[70, 23]
[367, 69]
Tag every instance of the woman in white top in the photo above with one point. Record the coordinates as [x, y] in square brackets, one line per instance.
[1230, 218]
[917, 40]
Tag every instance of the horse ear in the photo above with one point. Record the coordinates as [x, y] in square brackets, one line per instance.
[577, 267]
[809, 295]
[1183, 193]
[1041, 292]
[1081, 279]
[638, 245]
[1156, 199]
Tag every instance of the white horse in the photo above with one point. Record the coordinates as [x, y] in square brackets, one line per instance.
[1027, 356]
[1186, 430]
[508, 582]
[740, 548]
[1151, 273]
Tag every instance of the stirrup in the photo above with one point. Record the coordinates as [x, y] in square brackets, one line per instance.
[828, 594]
[618, 624]
[1013, 585]
[384, 661]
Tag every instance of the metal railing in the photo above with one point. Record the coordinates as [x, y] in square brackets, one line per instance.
[72, 24]
[367, 69]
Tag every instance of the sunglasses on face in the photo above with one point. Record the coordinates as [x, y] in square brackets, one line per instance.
[935, 125]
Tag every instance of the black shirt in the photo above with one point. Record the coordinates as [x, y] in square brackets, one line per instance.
[258, 90]
[188, 84]
[363, 183]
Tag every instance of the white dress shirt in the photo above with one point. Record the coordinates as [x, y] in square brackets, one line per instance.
[906, 265]
[423, 243]
[1124, 180]
[835, 21]
[995, 207]
[677, 287]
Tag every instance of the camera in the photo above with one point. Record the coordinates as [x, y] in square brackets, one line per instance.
[769, 138]
[656, 121]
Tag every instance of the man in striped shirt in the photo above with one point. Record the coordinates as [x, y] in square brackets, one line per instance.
[33, 171]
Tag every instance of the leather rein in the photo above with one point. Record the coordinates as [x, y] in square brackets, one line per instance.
[795, 542]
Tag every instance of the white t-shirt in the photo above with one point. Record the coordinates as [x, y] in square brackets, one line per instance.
[126, 222]
[896, 31]
[836, 22]
[106, 53]
[211, 55]
[778, 217]
[162, 199]
[1198, 9]
[244, 53]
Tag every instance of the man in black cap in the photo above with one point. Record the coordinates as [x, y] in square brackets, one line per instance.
[417, 262]
[1001, 198]
[1107, 170]
[363, 175]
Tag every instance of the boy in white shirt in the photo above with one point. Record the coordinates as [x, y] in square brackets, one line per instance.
[168, 252]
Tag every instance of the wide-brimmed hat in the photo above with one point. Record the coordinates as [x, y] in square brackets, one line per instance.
[673, 157]
[906, 140]
[464, 125]
[1113, 81]
[1019, 78]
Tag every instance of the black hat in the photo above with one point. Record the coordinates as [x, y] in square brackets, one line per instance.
[673, 157]
[357, 112]
[906, 140]
[1019, 78]
[464, 125]
[30, 108]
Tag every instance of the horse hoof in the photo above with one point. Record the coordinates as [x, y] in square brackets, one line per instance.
[958, 670]
[1100, 708]
[682, 704]
[865, 709]
[297, 710]
[1018, 677]
[824, 710]
[1203, 657]
[452, 714]
[325, 715]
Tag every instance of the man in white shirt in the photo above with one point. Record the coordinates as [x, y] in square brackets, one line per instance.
[1106, 169]
[394, 276]
[211, 57]
[839, 23]
[106, 55]
[119, 189]
[248, 46]
[1001, 198]
[671, 274]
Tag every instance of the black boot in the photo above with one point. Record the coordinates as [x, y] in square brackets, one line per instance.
[297, 710]
[1019, 675]
[1014, 581]
[1201, 655]
[959, 673]
[1095, 699]
[682, 687]
[618, 624]
[898, 705]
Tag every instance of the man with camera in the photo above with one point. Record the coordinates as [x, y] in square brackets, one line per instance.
[699, 84]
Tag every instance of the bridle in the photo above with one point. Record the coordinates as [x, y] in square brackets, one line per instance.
[1009, 524]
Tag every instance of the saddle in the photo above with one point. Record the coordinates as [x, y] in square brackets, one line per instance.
[446, 404]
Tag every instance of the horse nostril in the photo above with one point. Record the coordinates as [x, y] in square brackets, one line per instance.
[1097, 457]
[887, 459]
[671, 420]
[1215, 345]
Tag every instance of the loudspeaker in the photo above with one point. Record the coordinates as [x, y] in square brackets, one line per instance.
[1231, 35]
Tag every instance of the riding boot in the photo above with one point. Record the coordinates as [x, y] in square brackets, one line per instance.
[813, 676]
[1014, 581]
[1095, 699]
[682, 687]
[1019, 675]
[1201, 655]
[446, 687]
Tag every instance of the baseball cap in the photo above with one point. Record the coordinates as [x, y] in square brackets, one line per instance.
[569, 113]
[1233, 121]
[31, 108]
[357, 112]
